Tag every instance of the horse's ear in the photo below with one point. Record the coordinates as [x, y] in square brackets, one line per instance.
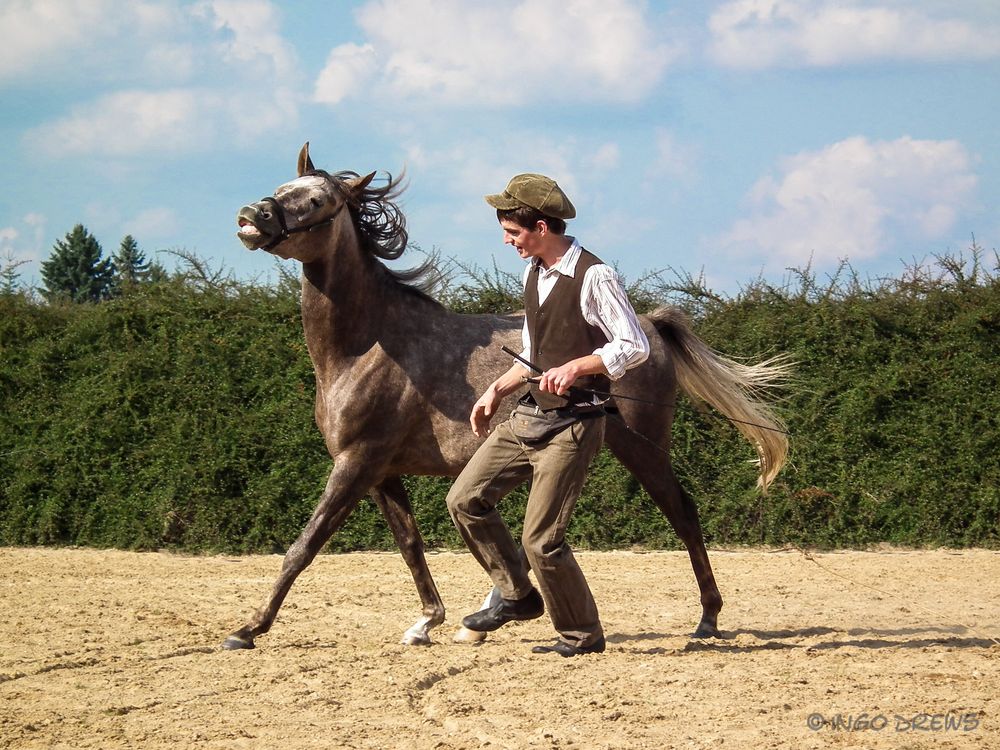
[305, 163]
[359, 184]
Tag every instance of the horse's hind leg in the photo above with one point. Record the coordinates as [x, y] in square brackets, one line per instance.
[689, 530]
[652, 468]
[394, 502]
[345, 487]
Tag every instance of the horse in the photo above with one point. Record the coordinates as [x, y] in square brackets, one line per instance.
[397, 374]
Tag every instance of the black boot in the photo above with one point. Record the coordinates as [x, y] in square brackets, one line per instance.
[491, 618]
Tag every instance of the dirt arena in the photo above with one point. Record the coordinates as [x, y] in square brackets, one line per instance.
[109, 649]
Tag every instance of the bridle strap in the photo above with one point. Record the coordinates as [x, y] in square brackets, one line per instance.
[280, 213]
[285, 233]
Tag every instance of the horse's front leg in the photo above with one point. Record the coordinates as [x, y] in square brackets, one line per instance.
[348, 483]
[394, 502]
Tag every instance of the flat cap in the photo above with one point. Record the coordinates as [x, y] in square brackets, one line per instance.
[535, 191]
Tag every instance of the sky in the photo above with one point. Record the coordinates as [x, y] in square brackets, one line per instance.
[733, 140]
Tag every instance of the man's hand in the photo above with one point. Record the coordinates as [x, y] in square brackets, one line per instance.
[483, 410]
[559, 379]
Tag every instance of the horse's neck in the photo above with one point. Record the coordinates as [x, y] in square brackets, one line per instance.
[340, 296]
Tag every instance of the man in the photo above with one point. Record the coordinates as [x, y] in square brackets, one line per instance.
[580, 331]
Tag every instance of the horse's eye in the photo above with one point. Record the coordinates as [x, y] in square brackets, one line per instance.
[316, 202]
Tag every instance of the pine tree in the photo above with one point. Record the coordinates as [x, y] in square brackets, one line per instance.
[75, 270]
[157, 273]
[9, 275]
[130, 266]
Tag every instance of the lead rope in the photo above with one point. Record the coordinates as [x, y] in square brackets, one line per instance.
[799, 549]
[606, 395]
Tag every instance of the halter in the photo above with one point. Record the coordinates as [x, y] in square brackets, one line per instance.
[279, 212]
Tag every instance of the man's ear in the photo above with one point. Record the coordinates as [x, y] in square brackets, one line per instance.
[541, 227]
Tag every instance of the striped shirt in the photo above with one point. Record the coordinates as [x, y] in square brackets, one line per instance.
[604, 304]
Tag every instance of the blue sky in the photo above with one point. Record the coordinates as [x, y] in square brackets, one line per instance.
[735, 138]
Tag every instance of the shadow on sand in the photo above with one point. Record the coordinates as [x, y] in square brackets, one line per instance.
[802, 638]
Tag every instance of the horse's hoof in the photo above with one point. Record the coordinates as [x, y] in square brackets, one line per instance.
[416, 639]
[706, 630]
[235, 643]
[464, 635]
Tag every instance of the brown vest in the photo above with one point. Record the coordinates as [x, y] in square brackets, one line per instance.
[558, 330]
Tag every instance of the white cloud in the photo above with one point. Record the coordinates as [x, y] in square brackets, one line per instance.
[23, 241]
[130, 122]
[505, 52]
[674, 159]
[37, 33]
[823, 33]
[856, 199]
[347, 69]
[152, 224]
[232, 46]
[88, 39]
[606, 157]
[172, 61]
[159, 40]
[479, 165]
[254, 41]
[164, 122]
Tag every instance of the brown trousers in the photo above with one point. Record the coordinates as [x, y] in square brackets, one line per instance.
[557, 470]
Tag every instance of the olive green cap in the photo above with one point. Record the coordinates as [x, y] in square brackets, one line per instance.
[535, 191]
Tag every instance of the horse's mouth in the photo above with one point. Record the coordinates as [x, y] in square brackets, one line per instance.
[248, 230]
[249, 233]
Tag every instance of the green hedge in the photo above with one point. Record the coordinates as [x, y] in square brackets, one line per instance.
[180, 416]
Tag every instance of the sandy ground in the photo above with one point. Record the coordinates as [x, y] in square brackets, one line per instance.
[110, 649]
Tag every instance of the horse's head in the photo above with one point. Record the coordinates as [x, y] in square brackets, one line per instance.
[282, 223]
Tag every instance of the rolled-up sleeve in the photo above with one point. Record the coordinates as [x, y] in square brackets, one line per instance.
[605, 305]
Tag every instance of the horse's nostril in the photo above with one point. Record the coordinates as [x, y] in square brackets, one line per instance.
[266, 214]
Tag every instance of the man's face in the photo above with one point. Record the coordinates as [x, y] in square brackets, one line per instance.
[527, 242]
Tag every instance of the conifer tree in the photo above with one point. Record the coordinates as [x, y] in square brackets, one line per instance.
[157, 273]
[9, 275]
[130, 266]
[75, 270]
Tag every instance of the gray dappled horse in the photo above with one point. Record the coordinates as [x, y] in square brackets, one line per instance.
[397, 374]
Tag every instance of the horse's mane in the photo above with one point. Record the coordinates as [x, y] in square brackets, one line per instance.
[381, 226]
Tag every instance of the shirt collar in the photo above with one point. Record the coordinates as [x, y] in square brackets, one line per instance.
[567, 264]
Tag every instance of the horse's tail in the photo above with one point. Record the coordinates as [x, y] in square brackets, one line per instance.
[735, 389]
